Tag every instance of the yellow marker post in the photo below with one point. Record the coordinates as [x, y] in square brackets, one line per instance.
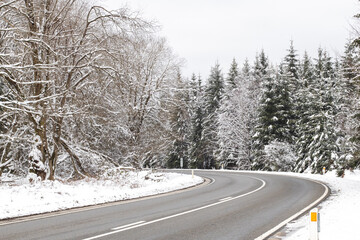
[314, 225]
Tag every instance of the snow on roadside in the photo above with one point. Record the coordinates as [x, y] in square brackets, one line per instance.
[22, 198]
[339, 213]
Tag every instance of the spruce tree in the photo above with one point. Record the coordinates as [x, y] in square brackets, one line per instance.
[258, 87]
[213, 95]
[291, 79]
[246, 71]
[180, 126]
[292, 63]
[233, 75]
[354, 74]
[317, 144]
[306, 71]
[196, 148]
[275, 112]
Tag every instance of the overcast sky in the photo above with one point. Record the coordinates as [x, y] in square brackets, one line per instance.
[205, 31]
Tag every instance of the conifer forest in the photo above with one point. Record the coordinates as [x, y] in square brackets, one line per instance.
[84, 89]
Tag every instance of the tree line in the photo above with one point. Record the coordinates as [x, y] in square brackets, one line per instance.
[83, 89]
[301, 115]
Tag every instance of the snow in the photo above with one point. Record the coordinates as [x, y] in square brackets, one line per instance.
[339, 213]
[22, 198]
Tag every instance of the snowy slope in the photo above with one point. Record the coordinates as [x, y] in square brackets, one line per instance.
[21, 198]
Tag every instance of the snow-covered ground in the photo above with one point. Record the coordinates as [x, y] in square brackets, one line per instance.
[339, 213]
[21, 198]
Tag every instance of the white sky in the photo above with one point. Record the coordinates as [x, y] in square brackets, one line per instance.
[205, 31]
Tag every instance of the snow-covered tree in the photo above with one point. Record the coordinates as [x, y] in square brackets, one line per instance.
[280, 156]
[180, 126]
[213, 94]
[197, 152]
[84, 80]
[318, 142]
[236, 124]
[231, 80]
[274, 114]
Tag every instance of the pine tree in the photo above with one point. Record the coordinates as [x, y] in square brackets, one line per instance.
[261, 65]
[306, 70]
[353, 74]
[196, 148]
[317, 145]
[291, 79]
[275, 112]
[257, 93]
[213, 95]
[292, 63]
[349, 65]
[233, 75]
[245, 71]
[180, 126]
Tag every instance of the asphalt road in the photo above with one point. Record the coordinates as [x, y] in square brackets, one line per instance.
[233, 206]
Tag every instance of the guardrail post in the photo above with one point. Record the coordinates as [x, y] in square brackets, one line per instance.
[314, 225]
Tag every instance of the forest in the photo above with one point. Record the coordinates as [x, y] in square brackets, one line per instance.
[84, 89]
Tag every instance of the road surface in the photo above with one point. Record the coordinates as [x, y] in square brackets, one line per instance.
[234, 205]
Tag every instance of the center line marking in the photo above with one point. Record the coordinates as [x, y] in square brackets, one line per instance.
[225, 199]
[178, 214]
[128, 225]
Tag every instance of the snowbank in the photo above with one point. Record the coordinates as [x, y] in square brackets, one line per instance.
[339, 213]
[22, 198]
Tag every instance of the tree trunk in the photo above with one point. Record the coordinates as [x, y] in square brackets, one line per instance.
[3, 161]
[76, 161]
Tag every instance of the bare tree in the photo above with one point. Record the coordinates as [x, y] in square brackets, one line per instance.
[52, 50]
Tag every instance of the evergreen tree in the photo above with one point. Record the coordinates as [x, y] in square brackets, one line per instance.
[233, 75]
[213, 94]
[291, 79]
[353, 70]
[246, 71]
[180, 126]
[349, 65]
[292, 63]
[196, 149]
[317, 145]
[261, 65]
[306, 70]
[257, 88]
[275, 112]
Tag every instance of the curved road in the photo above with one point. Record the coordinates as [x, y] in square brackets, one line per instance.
[235, 205]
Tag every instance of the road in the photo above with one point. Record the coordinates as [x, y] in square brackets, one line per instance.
[233, 206]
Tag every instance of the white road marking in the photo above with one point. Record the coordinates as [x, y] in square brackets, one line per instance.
[180, 214]
[282, 224]
[225, 199]
[128, 225]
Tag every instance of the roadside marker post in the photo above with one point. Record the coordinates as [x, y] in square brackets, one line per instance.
[314, 225]
[192, 173]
